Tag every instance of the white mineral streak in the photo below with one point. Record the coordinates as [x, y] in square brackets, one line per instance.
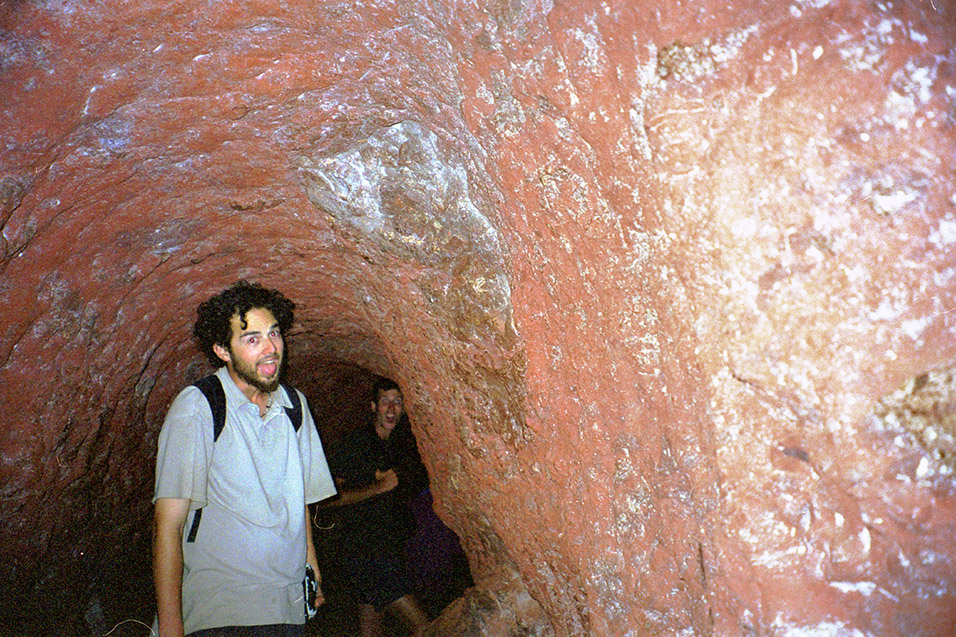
[594, 58]
[945, 233]
[729, 47]
[864, 588]
[784, 628]
[442, 222]
[865, 539]
[350, 185]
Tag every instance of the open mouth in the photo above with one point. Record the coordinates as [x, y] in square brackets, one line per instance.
[269, 368]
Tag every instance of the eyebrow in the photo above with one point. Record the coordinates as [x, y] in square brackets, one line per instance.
[274, 326]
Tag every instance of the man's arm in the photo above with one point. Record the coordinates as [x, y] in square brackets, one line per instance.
[312, 560]
[169, 517]
[384, 481]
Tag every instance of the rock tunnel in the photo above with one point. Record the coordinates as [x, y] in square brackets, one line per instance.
[670, 290]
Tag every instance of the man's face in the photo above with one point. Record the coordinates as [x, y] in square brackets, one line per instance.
[388, 410]
[255, 353]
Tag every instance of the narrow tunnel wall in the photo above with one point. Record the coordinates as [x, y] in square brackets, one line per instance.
[644, 275]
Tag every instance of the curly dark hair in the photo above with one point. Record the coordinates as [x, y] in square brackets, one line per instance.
[213, 318]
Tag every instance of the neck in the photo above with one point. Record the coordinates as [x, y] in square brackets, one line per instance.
[260, 398]
[264, 401]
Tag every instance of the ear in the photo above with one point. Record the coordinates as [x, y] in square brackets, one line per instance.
[374, 406]
[221, 352]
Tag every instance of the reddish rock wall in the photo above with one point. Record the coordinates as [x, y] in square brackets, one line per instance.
[670, 290]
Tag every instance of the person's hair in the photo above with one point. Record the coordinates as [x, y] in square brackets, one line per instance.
[214, 317]
[383, 385]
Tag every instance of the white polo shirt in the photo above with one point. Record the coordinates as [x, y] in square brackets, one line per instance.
[247, 562]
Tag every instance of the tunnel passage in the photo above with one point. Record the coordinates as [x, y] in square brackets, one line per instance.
[669, 290]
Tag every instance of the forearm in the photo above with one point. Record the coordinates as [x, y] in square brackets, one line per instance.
[310, 557]
[384, 481]
[351, 496]
[168, 579]
[168, 574]
[312, 560]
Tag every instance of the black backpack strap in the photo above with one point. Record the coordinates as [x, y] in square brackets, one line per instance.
[194, 527]
[211, 388]
[295, 411]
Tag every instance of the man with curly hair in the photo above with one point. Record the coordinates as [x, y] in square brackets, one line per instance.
[248, 479]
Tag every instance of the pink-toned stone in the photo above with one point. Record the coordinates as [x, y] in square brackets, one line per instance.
[670, 290]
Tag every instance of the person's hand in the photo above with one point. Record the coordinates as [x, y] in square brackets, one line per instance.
[387, 480]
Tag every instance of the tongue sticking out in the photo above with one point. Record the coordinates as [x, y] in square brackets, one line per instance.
[268, 369]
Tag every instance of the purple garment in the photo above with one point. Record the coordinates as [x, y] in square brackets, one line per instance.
[434, 554]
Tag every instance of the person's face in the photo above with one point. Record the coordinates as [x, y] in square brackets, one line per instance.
[255, 353]
[388, 410]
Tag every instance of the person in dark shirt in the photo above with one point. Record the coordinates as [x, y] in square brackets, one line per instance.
[377, 471]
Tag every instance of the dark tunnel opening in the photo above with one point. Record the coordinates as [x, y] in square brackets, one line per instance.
[340, 394]
[435, 559]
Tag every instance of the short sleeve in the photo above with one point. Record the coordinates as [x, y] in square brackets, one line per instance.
[315, 467]
[185, 449]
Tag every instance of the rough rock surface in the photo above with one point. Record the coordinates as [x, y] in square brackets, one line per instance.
[670, 289]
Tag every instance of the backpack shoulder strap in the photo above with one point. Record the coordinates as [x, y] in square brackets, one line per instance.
[295, 411]
[211, 387]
